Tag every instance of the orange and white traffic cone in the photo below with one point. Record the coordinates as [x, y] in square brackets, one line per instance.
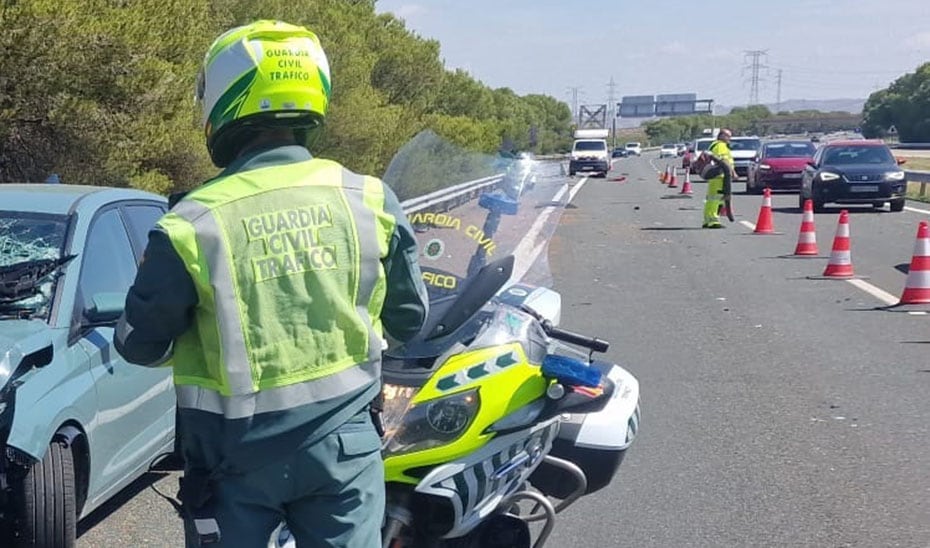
[673, 182]
[662, 175]
[764, 222]
[807, 236]
[686, 186]
[666, 177]
[917, 286]
[840, 263]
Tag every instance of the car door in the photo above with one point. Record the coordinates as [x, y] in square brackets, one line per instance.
[135, 405]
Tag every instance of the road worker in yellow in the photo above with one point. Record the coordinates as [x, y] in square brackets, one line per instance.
[717, 194]
[269, 289]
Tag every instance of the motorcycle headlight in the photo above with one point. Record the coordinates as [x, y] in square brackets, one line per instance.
[894, 176]
[826, 176]
[395, 401]
[433, 423]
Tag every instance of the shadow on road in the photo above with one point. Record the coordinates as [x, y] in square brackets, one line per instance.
[104, 511]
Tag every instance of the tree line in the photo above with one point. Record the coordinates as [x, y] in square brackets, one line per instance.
[751, 120]
[904, 106]
[101, 91]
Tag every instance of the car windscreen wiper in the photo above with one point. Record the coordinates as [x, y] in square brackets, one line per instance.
[21, 280]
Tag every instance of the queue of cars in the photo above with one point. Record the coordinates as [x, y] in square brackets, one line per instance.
[856, 171]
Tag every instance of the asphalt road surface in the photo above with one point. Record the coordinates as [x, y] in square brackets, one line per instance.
[778, 410]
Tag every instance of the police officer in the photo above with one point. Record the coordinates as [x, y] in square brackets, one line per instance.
[268, 288]
[714, 199]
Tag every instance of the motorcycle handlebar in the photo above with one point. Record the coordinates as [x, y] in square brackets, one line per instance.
[592, 343]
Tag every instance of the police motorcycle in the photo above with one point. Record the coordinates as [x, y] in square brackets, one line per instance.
[495, 418]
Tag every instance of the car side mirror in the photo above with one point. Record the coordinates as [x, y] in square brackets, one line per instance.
[901, 161]
[105, 308]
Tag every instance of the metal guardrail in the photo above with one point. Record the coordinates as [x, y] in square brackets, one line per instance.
[910, 146]
[922, 177]
[441, 200]
[918, 176]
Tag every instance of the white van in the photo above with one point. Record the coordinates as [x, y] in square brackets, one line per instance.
[589, 152]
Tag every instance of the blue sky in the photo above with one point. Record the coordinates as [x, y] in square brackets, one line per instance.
[825, 49]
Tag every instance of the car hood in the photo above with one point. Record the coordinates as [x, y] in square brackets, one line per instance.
[787, 164]
[18, 339]
[856, 172]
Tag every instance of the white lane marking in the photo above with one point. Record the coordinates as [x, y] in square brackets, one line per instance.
[526, 253]
[876, 292]
[917, 210]
[571, 195]
[872, 290]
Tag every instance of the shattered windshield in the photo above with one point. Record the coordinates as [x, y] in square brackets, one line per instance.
[31, 246]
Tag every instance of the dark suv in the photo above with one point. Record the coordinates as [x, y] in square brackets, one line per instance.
[854, 172]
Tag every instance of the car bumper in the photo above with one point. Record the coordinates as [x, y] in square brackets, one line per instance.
[588, 165]
[777, 180]
[858, 193]
[741, 168]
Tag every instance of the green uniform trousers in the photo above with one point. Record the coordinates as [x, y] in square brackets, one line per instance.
[713, 201]
[329, 494]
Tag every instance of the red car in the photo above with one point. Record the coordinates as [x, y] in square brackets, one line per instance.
[779, 166]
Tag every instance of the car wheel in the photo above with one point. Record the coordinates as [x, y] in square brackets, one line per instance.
[47, 509]
[897, 205]
[818, 206]
[801, 200]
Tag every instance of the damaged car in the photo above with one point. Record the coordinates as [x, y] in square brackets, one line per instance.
[77, 422]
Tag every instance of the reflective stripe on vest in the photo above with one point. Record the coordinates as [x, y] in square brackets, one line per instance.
[286, 261]
[277, 399]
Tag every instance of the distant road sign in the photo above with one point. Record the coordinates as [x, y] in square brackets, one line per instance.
[892, 130]
[677, 104]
